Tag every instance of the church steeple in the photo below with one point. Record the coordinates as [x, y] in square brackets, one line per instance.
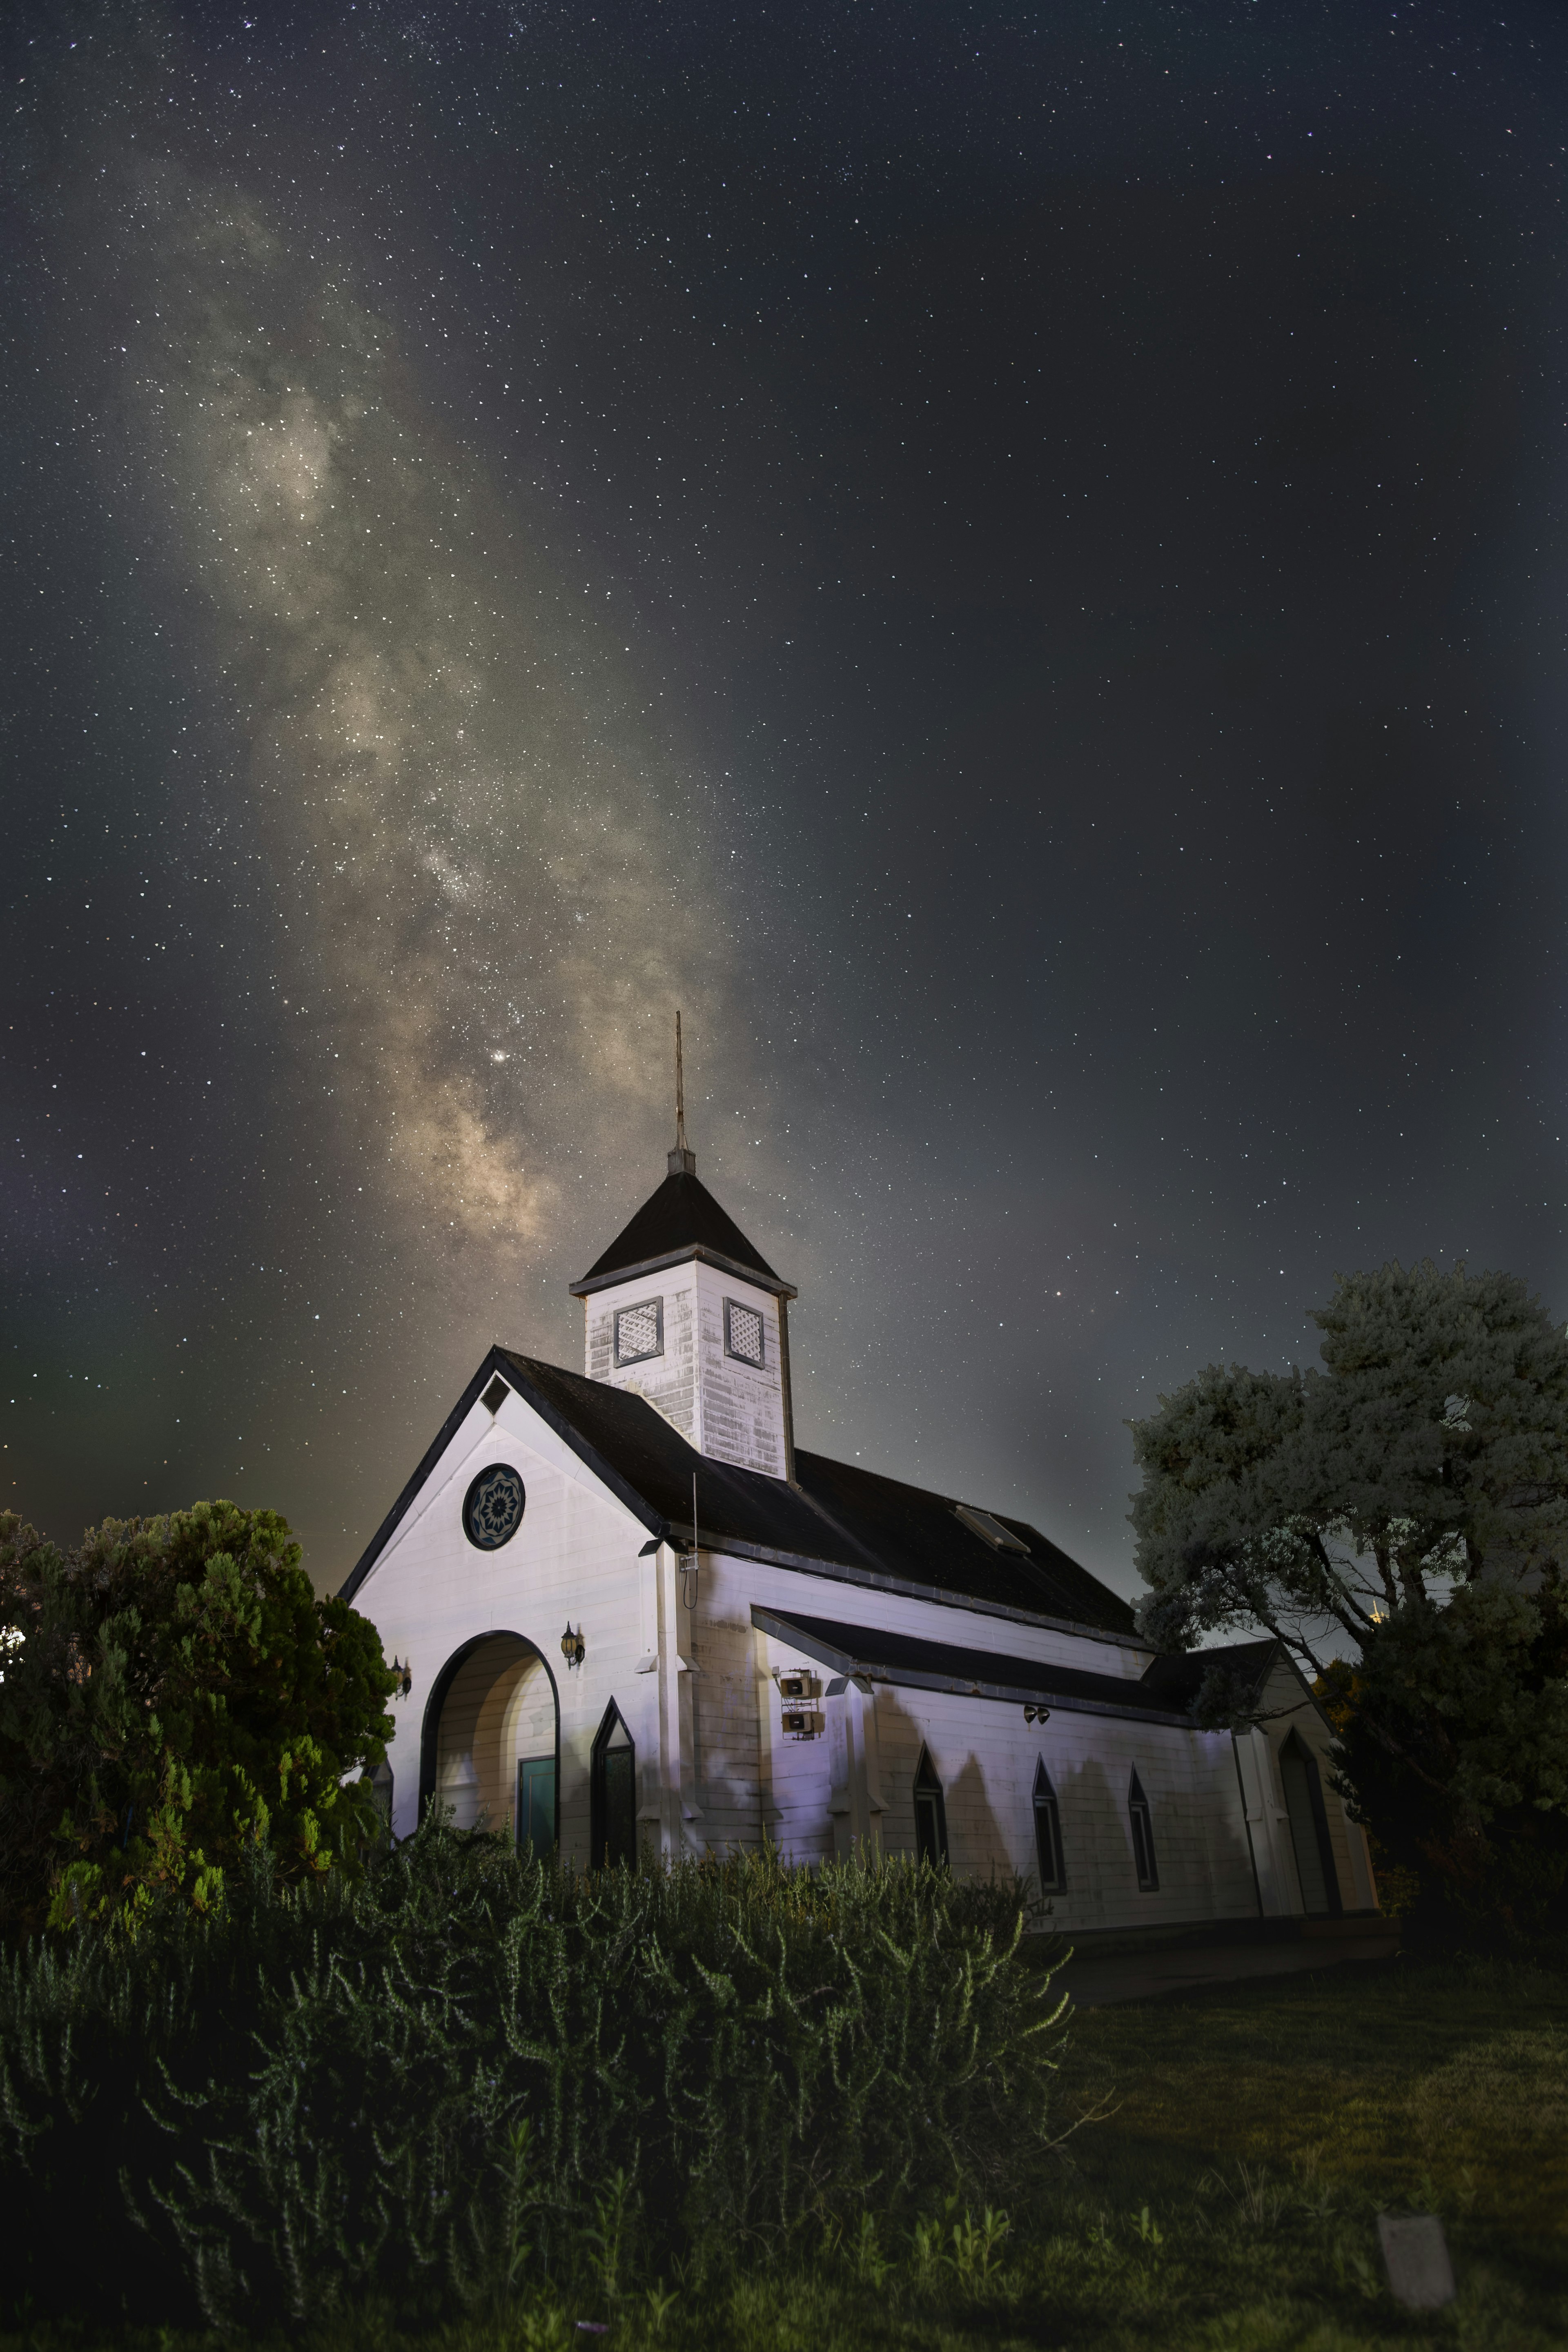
[682, 1159]
[684, 1310]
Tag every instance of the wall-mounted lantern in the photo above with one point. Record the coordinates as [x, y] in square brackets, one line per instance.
[574, 1648]
[402, 1678]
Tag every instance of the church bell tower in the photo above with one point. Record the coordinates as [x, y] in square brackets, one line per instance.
[682, 1309]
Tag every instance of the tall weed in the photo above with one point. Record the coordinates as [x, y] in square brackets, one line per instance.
[475, 2070]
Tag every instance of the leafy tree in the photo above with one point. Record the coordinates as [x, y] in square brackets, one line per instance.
[172, 1691]
[1452, 1733]
[1399, 1519]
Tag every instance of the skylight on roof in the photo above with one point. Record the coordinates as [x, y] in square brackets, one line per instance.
[999, 1538]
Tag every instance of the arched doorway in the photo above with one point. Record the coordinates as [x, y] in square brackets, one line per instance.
[1320, 1880]
[489, 1750]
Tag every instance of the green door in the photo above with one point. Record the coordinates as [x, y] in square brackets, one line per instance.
[536, 1804]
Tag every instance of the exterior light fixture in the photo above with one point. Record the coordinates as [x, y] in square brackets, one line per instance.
[402, 1678]
[1036, 1715]
[574, 1648]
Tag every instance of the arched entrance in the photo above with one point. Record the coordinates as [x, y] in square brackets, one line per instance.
[489, 1750]
[1320, 1880]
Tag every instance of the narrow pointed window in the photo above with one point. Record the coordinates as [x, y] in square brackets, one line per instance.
[931, 1813]
[1142, 1825]
[613, 1801]
[1048, 1832]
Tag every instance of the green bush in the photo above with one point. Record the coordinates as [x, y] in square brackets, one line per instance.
[468, 2067]
[172, 1692]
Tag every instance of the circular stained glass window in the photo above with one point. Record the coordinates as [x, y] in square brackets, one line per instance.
[492, 1512]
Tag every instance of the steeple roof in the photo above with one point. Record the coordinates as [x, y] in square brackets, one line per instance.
[681, 1220]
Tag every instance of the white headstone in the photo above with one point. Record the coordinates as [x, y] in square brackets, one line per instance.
[1420, 2274]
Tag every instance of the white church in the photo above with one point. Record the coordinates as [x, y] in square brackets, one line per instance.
[629, 1613]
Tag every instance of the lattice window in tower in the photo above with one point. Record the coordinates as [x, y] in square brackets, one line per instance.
[639, 1331]
[742, 1332]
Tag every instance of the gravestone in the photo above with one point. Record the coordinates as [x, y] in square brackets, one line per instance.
[1420, 2274]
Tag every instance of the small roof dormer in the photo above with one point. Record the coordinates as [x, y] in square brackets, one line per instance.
[685, 1310]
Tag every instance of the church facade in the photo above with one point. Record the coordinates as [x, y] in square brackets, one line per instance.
[628, 1611]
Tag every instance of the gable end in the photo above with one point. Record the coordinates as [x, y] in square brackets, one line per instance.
[499, 1361]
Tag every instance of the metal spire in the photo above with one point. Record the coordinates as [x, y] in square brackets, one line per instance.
[682, 1159]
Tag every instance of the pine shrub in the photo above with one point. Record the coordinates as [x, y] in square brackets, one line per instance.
[472, 2069]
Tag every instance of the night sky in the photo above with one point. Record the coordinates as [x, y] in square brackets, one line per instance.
[1009, 561]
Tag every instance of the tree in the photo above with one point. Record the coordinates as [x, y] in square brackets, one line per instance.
[172, 1691]
[1399, 1519]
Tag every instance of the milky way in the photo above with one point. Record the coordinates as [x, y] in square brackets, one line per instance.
[493, 912]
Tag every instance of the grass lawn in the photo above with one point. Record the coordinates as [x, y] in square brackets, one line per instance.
[1224, 2200]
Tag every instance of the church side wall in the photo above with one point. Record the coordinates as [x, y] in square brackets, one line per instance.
[986, 1755]
[753, 1776]
[731, 1585]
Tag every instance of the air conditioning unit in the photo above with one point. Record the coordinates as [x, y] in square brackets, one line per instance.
[798, 1691]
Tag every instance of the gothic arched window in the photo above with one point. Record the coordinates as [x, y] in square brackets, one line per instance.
[1048, 1832]
[613, 1794]
[1142, 1825]
[931, 1813]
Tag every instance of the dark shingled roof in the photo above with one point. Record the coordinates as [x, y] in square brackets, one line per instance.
[681, 1216]
[880, 1656]
[918, 1538]
[835, 1511]
[877, 1529]
[1166, 1690]
[1179, 1676]
[649, 1456]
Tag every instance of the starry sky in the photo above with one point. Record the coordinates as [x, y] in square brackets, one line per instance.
[1008, 561]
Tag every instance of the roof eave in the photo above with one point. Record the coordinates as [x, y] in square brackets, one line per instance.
[783, 1629]
[758, 1279]
[444, 1437]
